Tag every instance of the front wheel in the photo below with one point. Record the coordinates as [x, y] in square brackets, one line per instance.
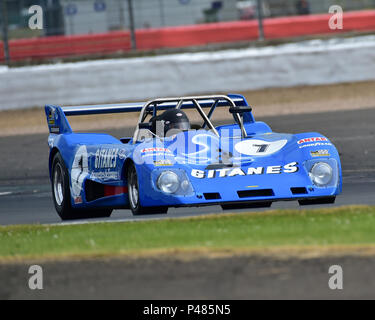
[62, 197]
[134, 198]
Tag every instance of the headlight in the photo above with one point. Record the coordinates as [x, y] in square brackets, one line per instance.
[185, 186]
[168, 182]
[321, 174]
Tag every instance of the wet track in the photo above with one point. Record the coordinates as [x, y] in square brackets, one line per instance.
[25, 195]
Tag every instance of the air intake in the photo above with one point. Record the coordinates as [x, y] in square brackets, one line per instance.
[298, 190]
[212, 196]
[255, 193]
[95, 190]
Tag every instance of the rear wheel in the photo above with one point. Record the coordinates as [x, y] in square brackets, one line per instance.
[134, 198]
[62, 197]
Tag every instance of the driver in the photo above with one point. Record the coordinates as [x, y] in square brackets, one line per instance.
[170, 119]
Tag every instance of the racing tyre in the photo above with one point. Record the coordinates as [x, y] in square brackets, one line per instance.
[62, 197]
[134, 200]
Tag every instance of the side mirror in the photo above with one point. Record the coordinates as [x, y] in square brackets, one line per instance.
[145, 125]
[240, 110]
[196, 127]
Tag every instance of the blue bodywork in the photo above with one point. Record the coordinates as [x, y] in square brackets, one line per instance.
[265, 166]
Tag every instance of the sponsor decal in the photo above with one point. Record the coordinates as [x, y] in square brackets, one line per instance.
[106, 158]
[122, 154]
[233, 172]
[156, 155]
[153, 150]
[51, 117]
[320, 153]
[255, 147]
[78, 200]
[163, 163]
[317, 144]
[50, 142]
[309, 140]
[105, 176]
[156, 152]
[55, 130]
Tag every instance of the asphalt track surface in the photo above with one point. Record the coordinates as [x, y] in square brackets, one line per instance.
[25, 195]
[204, 279]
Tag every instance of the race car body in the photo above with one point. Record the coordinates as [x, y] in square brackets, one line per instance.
[238, 165]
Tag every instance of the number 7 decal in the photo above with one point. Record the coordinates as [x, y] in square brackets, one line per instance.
[261, 147]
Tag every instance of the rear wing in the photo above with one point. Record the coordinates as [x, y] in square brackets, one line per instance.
[58, 123]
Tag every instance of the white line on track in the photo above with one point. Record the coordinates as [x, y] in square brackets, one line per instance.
[74, 223]
[5, 193]
[358, 170]
[351, 138]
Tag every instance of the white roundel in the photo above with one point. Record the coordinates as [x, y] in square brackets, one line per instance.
[80, 170]
[255, 147]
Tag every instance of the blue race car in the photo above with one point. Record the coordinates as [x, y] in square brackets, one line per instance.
[170, 163]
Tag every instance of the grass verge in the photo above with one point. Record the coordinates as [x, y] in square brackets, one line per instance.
[323, 228]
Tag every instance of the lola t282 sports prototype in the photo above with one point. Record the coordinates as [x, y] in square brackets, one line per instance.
[169, 162]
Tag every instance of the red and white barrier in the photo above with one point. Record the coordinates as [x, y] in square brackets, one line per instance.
[314, 62]
[184, 36]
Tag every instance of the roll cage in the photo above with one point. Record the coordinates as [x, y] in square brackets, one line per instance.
[56, 116]
[193, 102]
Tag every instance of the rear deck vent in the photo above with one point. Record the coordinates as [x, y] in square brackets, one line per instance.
[217, 166]
[212, 196]
[255, 193]
[298, 190]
